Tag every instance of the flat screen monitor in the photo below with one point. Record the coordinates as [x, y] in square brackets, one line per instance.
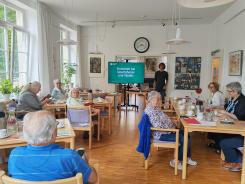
[125, 73]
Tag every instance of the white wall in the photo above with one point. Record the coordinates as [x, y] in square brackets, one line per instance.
[230, 37]
[120, 40]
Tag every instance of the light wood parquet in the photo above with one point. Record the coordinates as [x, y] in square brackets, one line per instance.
[119, 163]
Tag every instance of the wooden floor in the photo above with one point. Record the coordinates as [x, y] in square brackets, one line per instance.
[119, 163]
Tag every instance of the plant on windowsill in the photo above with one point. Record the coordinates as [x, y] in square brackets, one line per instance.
[69, 70]
[16, 91]
[6, 88]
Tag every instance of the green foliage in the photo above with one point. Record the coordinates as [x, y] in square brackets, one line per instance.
[6, 87]
[17, 89]
[69, 70]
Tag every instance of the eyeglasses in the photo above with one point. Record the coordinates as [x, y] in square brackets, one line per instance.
[230, 91]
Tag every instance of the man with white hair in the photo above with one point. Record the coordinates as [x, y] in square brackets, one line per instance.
[58, 93]
[41, 159]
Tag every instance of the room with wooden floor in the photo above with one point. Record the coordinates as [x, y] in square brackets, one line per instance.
[130, 92]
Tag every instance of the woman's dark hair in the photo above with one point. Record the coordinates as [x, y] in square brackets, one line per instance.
[162, 64]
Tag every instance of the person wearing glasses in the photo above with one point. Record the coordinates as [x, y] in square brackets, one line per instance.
[58, 93]
[231, 144]
[74, 99]
[217, 99]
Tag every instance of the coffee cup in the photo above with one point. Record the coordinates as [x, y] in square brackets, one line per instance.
[3, 133]
[200, 116]
[189, 113]
[183, 100]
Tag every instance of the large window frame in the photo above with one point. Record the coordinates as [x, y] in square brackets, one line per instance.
[11, 45]
[71, 52]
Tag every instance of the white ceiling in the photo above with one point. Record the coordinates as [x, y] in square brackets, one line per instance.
[83, 11]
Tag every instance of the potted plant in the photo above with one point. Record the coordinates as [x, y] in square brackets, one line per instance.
[69, 70]
[16, 91]
[6, 88]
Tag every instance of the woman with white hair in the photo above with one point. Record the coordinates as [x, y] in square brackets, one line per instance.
[74, 98]
[159, 119]
[41, 159]
[58, 93]
[234, 109]
[28, 100]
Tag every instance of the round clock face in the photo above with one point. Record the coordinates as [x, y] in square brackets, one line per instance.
[141, 44]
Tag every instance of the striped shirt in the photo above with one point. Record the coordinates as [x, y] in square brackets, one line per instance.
[46, 163]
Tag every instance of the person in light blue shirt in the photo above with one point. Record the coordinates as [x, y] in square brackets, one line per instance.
[58, 93]
[41, 159]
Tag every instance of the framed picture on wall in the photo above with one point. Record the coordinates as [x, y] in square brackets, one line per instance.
[235, 63]
[96, 65]
[187, 73]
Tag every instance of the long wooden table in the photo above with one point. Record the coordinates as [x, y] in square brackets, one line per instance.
[65, 134]
[237, 128]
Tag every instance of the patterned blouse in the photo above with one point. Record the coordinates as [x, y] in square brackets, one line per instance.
[158, 120]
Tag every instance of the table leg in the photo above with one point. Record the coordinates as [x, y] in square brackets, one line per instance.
[184, 165]
[72, 143]
[243, 165]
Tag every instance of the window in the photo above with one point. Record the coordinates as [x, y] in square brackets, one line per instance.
[67, 52]
[14, 46]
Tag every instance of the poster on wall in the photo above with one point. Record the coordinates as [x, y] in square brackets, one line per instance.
[96, 65]
[235, 63]
[187, 73]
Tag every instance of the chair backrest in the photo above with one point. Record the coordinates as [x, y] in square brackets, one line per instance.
[78, 179]
[79, 115]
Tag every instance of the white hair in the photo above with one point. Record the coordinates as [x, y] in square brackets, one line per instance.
[31, 86]
[236, 86]
[39, 127]
[152, 95]
[56, 81]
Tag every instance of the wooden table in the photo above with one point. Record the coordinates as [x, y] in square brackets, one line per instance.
[54, 107]
[143, 93]
[65, 134]
[237, 128]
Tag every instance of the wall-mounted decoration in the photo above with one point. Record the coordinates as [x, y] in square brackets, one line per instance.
[96, 65]
[141, 44]
[187, 73]
[235, 63]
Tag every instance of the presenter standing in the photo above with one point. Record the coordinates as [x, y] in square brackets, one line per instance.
[161, 80]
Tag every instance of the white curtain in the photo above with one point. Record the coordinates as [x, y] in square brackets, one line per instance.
[43, 48]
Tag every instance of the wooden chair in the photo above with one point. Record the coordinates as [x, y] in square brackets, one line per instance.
[105, 115]
[166, 144]
[80, 118]
[78, 179]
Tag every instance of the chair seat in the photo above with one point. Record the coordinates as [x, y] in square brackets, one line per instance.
[80, 125]
[163, 144]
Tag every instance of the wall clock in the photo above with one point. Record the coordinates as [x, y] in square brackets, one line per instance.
[141, 44]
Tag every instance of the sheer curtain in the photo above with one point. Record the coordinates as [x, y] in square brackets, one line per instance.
[43, 47]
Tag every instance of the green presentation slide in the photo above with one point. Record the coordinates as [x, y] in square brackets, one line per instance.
[124, 73]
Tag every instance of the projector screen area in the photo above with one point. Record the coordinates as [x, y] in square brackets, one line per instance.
[124, 73]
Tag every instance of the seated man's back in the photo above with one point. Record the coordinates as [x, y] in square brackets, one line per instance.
[46, 163]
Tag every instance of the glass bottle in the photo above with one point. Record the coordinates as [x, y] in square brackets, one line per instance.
[12, 127]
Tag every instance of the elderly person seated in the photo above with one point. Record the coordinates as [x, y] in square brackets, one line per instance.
[58, 93]
[217, 99]
[234, 109]
[159, 119]
[28, 100]
[74, 98]
[41, 159]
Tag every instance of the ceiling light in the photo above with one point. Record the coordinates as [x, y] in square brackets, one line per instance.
[67, 42]
[203, 3]
[177, 40]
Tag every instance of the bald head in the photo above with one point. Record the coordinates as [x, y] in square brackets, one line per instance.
[39, 127]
